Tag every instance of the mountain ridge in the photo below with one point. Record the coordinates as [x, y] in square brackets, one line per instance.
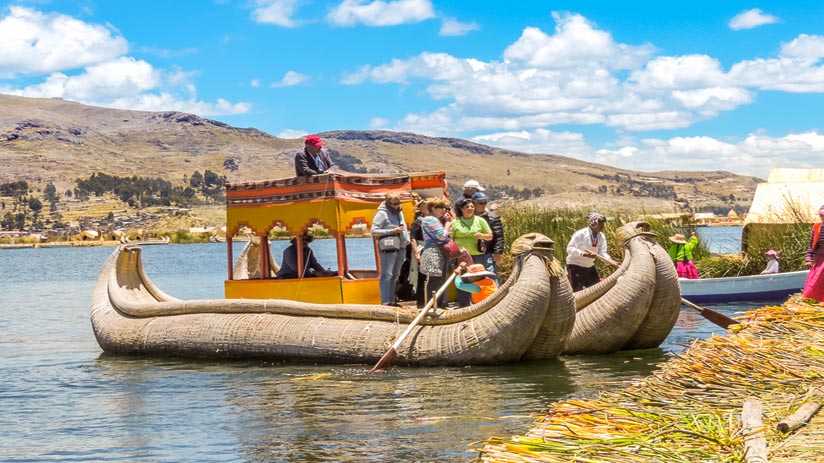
[59, 141]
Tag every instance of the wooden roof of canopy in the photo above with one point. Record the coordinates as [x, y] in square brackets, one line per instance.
[334, 200]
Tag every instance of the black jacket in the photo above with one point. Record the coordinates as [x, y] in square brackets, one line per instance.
[305, 163]
[496, 244]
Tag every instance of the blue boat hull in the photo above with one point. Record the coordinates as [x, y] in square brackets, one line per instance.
[755, 288]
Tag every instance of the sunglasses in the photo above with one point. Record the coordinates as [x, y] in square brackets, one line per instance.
[394, 204]
[480, 202]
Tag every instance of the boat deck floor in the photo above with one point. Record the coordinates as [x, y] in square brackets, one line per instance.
[690, 409]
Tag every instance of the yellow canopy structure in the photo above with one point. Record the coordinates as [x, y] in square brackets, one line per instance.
[340, 204]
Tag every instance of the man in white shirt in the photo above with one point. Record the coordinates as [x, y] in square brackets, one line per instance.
[583, 247]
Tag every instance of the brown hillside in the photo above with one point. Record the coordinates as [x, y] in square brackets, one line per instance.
[54, 140]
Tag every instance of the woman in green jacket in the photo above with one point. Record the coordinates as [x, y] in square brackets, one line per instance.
[681, 254]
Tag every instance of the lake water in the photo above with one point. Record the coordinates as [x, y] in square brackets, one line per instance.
[61, 399]
[721, 240]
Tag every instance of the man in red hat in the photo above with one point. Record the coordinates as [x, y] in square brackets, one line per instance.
[313, 159]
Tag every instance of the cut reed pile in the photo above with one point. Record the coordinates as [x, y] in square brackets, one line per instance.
[690, 409]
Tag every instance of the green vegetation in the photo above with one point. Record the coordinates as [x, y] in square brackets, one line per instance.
[559, 224]
[184, 237]
[143, 192]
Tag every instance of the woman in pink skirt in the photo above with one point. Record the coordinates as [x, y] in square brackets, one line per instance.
[681, 254]
[814, 286]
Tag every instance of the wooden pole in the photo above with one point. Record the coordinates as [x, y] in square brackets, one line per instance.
[799, 418]
[755, 444]
[390, 354]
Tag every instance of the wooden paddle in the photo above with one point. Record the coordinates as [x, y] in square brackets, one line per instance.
[392, 352]
[712, 315]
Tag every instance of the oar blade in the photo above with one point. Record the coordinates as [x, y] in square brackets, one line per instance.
[386, 358]
[714, 316]
[718, 318]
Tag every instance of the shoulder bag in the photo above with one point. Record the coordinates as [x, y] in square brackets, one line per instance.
[449, 250]
[389, 243]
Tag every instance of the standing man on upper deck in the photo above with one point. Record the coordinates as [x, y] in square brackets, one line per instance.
[312, 159]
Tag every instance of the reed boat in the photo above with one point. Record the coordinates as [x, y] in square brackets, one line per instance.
[334, 318]
[636, 306]
[130, 315]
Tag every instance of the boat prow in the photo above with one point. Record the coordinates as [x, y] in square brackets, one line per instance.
[636, 306]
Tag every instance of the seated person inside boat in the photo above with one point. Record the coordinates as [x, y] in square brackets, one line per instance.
[476, 280]
[289, 261]
[772, 262]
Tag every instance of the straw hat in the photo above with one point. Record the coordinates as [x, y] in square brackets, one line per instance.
[476, 272]
[678, 239]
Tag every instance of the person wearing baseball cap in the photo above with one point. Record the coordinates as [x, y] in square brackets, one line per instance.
[470, 188]
[312, 159]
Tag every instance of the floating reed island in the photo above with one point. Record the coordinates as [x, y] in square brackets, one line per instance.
[749, 396]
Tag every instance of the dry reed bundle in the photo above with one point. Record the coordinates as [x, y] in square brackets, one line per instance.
[690, 410]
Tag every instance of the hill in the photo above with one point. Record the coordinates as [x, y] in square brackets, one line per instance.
[52, 140]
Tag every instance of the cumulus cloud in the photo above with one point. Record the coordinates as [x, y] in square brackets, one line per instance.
[275, 12]
[127, 83]
[751, 19]
[579, 74]
[67, 58]
[538, 141]
[804, 47]
[754, 155]
[35, 42]
[290, 79]
[453, 27]
[576, 42]
[381, 13]
[678, 72]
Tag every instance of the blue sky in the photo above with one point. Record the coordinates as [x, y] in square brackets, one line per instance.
[647, 86]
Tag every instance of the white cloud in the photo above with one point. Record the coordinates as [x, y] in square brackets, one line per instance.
[582, 75]
[678, 72]
[71, 59]
[358, 77]
[168, 102]
[751, 19]
[379, 123]
[290, 79]
[275, 12]
[785, 74]
[537, 141]
[292, 133]
[711, 101]
[34, 42]
[754, 155]
[128, 83]
[114, 79]
[453, 27]
[255, 83]
[576, 42]
[804, 47]
[381, 13]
